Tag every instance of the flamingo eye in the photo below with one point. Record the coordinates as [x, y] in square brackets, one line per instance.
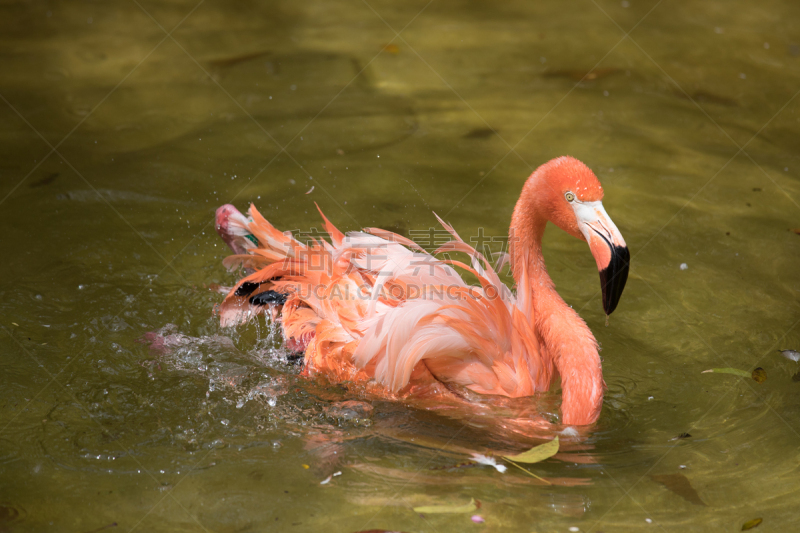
[570, 197]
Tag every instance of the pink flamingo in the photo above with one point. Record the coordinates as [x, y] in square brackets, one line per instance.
[374, 307]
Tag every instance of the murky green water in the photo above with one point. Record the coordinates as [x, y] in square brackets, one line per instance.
[118, 142]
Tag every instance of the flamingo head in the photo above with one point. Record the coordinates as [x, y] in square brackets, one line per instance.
[573, 201]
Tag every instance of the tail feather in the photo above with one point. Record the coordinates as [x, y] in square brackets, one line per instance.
[270, 238]
[394, 237]
[336, 235]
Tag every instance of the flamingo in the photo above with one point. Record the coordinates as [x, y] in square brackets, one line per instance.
[373, 307]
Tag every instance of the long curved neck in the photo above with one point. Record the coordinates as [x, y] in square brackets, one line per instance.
[525, 235]
[525, 239]
[567, 340]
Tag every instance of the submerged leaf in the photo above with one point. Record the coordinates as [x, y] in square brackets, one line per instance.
[759, 375]
[581, 75]
[441, 509]
[734, 371]
[679, 484]
[536, 454]
[480, 133]
[709, 97]
[796, 377]
[750, 524]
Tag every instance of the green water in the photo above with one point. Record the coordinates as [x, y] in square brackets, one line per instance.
[117, 143]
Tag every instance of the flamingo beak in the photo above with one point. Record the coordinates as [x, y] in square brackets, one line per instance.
[608, 248]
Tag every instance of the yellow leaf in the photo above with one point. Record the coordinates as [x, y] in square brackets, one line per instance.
[537, 453]
[434, 509]
[306, 467]
[759, 375]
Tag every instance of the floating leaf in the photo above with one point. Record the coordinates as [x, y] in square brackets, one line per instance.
[792, 355]
[750, 524]
[759, 375]
[536, 454]
[734, 371]
[442, 509]
[679, 484]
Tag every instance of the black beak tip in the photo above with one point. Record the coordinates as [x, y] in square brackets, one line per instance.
[613, 277]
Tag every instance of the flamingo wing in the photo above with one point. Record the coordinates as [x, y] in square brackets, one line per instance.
[373, 305]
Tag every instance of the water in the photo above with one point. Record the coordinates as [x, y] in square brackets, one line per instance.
[121, 142]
